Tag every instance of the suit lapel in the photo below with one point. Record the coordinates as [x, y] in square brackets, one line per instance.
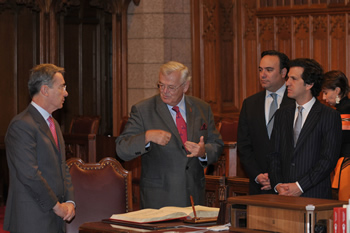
[41, 122]
[189, 118]
[260, 112]
[310, 123]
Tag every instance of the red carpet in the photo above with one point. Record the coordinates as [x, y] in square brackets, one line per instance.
[2, 215]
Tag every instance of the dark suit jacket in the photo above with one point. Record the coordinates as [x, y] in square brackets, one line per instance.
[316, 152]
[39, 176]
[168, 177]
[253, 139]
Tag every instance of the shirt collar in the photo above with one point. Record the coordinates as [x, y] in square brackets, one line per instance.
[307, 106]
[181, 104]
[279, 92]
[42, 111]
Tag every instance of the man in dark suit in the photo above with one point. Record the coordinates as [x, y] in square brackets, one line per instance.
[172, 165]
[306, 138]
[255, 120]
[40, 194]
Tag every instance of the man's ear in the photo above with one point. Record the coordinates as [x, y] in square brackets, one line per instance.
[44, 90]
[284, 73]
[187, 85]
[309, 86]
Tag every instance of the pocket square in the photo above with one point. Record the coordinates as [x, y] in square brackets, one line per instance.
[204, 127]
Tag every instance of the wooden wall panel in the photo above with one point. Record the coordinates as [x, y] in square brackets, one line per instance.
[337, 42]
[301, 37]
[249, 78]
[26, 53]
[8, 80]
[266, 34]
[211, 51]
[283, 34]
[73, 78]
[316, 29]
[320, 40]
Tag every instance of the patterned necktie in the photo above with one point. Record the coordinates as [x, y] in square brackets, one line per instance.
[53, 129]
[298, 123]
[273, 108]
[181, 124]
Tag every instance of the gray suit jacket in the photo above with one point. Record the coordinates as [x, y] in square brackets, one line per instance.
[168, 177]
[39, 176]
[315, 154]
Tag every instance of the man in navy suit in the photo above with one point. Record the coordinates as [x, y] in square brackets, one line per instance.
[306, 137]
[172, 165]
[255, 121]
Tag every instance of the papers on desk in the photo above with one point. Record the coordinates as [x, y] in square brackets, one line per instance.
[166, 214]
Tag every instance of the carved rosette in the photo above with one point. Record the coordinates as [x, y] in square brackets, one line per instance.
[337, 29]
[226, 8]
[266, 27]
[284, 27]
[320, 25]
[301, 25]
[209, 32]
[14, 4]
[250, 29]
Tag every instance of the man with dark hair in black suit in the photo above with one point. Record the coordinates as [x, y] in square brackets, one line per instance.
[256, 119]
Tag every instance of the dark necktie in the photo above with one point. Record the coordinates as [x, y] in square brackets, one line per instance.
[273, 108]
[53, 129]
[298, 123]
[181, 124]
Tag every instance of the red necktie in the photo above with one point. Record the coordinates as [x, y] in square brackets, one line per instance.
[181, 125]
[53, 129]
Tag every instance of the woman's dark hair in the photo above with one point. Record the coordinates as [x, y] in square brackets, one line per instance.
[334, 79]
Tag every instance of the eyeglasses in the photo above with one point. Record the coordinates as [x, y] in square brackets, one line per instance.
[170, 88]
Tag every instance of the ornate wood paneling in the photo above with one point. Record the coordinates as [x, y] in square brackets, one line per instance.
[317, 29]
[86, 37]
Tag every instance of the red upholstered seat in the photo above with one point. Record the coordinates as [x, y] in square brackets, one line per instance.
[228, 129]
[101, 190]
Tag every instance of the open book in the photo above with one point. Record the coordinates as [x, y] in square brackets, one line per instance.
[166, 213]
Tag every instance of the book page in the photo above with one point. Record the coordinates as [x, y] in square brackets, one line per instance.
[165, 213]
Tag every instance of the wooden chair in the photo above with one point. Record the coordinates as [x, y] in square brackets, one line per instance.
[80, 141]
[84, 125]
[101, 190]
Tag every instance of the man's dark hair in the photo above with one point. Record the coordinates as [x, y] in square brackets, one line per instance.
[284, 60]
[312, 74]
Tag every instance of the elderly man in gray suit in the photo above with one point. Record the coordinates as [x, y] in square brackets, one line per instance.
[40, 196]
[175, 136]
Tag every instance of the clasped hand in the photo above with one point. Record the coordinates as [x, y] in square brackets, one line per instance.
[288, 189]
[65, 210]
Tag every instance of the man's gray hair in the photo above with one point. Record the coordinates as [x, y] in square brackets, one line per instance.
[171, 66]
[42, 75]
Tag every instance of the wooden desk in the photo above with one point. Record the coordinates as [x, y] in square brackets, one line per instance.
[281, 213]
[100, 227]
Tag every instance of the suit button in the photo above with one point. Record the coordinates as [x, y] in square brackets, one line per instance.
[187, 167]
[292, 164]
[183, 147]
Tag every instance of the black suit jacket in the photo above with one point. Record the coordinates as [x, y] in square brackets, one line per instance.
[253, 139]
[315, 154]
